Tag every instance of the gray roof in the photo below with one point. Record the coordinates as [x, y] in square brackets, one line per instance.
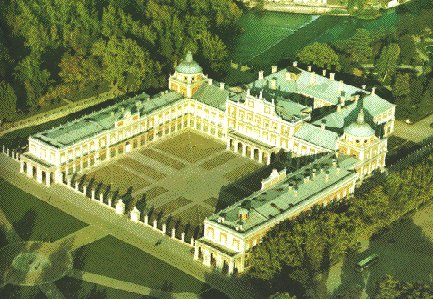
[212, 95]
[317, 136]
[280, 199]
[104, 119]
[189, 66]
[286, 109]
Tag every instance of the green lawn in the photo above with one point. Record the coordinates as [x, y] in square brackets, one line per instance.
[34, 219]
[113, 258]
[74, 288]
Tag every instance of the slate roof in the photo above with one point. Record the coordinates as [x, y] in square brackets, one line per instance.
[279, 201]
[212, 95]
[104, 119]
[317, 136]
[188, 65]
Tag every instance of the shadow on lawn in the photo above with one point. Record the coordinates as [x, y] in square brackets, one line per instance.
[24, 226]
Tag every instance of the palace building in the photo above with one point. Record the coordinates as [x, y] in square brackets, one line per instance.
[291, 109]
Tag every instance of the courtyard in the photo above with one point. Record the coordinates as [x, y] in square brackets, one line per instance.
[182, 176]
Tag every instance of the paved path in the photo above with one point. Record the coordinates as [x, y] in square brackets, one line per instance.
[126, 286]
[82, 237]
[136, 234]
[414, 132]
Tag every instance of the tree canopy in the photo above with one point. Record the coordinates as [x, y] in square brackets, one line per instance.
[320, 55]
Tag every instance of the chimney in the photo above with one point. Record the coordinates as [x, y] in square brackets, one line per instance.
[309, 68]
[261, 94]
[313, 175]
[338, 169]
[332, 76]
[323, 124]
[373, 90]
[324, 73]
[295, 63]
[364, 86]
[313, 78]
[273, 102]
[209, 81]
[356, 98]
[274, 83]
[326, 176]
[222, 85]
[288, 76]
[334, 162]
[261, 75]
[248, 92]
[338, 108]
[306, 178]
[342, 100]
[340, 85]
[274, 69]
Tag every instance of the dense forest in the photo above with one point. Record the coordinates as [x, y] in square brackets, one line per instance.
[50, 48]
[297, 254]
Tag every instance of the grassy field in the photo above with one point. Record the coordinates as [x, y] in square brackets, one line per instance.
[75, 288]
[34, 219]
[103, 256]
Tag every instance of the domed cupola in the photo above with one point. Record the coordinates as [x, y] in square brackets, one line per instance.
[188, 77]
[189, 66]
[359, 129]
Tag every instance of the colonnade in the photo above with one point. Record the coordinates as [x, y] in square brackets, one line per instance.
[250, 150]
[42, 174]
[223, 262]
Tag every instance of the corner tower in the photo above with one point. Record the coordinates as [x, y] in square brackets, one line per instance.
[188, 77]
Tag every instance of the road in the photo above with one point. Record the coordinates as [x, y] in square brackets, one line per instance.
[415, 132]
[92, 212]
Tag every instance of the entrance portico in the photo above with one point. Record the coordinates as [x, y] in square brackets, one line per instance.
[248, 147]
[35, 168]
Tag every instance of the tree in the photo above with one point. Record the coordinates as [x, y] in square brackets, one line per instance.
[358, 47]
[320, 55]
[8, 100]
[387, 63]
[214, 51]
[408, 50]
[401, 86]
[35, 79]
[126, 65]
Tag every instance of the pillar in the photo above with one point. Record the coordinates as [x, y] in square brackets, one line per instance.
[252, 154]
[206, 258]
[29, 170]
[260, 156]
[84, 190]
[164, 228]
[219, 262]
[192, 241]
[155, 224]
[109, 201]
[93, 194]
[7, 152]
[101, 197]
[135, 215]
[244, 150]
[196, 253]
[173, 233]
[268, 159]
[146, 219]
[182, 237]
[68, 182]
[236, 146]
[231, 267]
[21, 166]
[120, 207]
[76, 186]
[228, 144]
[39, 174]
[47, 179]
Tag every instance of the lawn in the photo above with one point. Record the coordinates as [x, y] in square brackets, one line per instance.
[191, 147]
[218, 160]
[103, 256]
[74, 288]
[115, 175]
[162, 158]
[34, 219]
[141, 168]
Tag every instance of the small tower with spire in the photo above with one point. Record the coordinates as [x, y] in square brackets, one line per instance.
[188, 76]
